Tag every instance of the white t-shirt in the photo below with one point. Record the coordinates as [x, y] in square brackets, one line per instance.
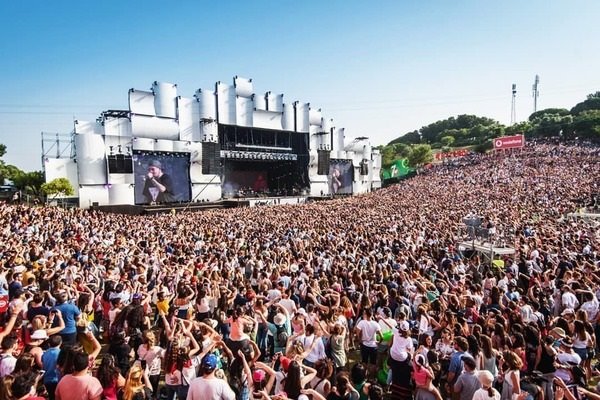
[482, 394]
[591, 307]
[288, 304]
[569, 300]
[7, 364]
[152, 357]
[401, 347]
[318, 350]
[210, 389]
[368, 330]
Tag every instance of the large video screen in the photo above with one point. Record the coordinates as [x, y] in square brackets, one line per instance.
[341, 175]
[161, 178]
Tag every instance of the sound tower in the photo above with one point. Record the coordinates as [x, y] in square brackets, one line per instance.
[211, 158]
[323, 162]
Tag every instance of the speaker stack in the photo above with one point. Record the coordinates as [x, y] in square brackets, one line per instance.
[323, 162]
[211, 158]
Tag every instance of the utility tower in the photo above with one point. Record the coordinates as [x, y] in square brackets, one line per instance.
[536, 92]
[513, 111]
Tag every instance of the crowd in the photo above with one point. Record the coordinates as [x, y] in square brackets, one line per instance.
[356, 298]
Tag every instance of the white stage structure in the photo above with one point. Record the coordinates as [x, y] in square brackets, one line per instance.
[208, 134]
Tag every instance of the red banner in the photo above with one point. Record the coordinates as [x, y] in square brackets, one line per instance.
[509, 142]
[451, 154]
[3, 303]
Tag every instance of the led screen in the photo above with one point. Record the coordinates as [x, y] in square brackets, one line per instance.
[161, 178]
[341, 174]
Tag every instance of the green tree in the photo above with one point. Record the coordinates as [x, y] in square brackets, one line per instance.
[393, 152]
[550, 125]
[408, 138]
[447, 141]
[521, 128]
[30, 182]
[551, 111]
[419, 155]
[587, 125]
[8, 172]
[591, 103]
[58, 187]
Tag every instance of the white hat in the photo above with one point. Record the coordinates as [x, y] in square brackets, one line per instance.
[568, 311]
[404, 326]
[39, 334]
[301, 311]
[279, 319]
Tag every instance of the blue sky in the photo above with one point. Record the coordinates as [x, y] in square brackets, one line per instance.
[379, 69]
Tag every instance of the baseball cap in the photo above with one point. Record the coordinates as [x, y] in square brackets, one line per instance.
[285, 363]
[404, 326]
[210, 361]
[155, 163]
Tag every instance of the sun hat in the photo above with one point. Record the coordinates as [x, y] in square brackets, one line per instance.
[279, 319]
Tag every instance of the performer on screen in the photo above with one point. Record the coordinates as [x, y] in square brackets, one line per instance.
[158, 186]
[336, 183]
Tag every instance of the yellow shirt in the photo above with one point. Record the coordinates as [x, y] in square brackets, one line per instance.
[163, 306]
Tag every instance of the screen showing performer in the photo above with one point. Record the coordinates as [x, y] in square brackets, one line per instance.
[161, 179]
[340, 177]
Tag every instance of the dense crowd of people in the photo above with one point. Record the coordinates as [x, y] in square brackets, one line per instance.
[356, 298]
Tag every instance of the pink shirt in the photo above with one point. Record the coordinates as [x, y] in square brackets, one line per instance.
[84, 387]
[237, 329]
[421, 376]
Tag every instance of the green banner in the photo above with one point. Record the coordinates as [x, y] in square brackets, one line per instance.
[398, 169]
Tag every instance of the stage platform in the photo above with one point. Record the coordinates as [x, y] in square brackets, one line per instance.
[585, 215]
[202, 206]
[488, 250]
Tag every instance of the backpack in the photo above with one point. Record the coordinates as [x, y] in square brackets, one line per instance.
[281, 336]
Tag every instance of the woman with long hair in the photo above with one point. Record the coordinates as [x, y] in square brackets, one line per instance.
[474, 349]
[5, 387]
[511, 365]
[152, 355]
[110, 377]
[24, 365]
[137, 386]
[488, 356]
[295, 381]
[338, 347]
[320, 383]
[582, 315]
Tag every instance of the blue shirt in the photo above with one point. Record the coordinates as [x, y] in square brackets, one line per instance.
[456, 364]
[49, 359]
[69, 314]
